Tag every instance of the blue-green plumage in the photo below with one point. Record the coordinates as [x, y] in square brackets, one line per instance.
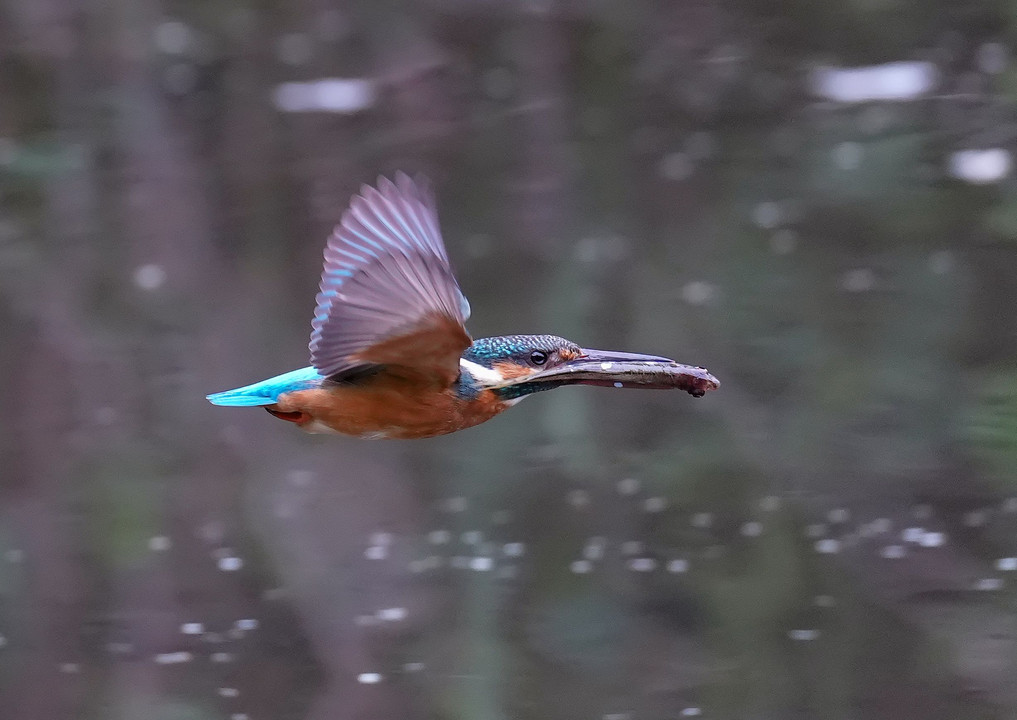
[514, 347]
[523, 350]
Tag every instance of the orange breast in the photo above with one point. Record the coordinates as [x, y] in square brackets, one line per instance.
[388, 407]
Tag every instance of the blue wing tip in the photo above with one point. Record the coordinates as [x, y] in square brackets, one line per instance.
[268, 391]
[233, 398]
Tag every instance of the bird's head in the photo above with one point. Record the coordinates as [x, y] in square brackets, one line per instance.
[514, 366]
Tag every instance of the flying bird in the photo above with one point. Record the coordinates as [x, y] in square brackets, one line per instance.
[390, 354]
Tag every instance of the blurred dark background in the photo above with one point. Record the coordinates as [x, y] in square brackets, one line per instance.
[814, 200]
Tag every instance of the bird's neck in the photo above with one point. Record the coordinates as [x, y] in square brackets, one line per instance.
[517, 392]
[477, 377]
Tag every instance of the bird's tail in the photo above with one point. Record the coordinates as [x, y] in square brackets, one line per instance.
[241, 397]
[268, 391]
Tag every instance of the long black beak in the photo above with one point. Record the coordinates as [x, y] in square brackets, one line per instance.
[611, 368]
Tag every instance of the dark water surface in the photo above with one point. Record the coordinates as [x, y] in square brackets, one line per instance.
[746, 186]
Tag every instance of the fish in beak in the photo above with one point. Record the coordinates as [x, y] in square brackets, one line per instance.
[610, 368]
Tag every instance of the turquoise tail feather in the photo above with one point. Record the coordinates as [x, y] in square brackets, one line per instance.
[268, 391]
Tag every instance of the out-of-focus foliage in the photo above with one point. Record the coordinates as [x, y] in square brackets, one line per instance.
[992, 426]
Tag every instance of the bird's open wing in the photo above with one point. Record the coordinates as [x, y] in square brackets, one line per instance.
[388, 296]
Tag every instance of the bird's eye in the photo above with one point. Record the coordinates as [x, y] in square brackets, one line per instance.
[538, 357]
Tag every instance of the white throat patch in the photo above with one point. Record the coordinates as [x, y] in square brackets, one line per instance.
[484, 374]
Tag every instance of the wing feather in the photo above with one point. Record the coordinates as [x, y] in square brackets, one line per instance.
[386, 277]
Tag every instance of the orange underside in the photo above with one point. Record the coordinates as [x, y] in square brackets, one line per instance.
[386, 406]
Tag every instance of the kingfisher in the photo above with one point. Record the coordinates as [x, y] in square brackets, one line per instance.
[390, 354]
